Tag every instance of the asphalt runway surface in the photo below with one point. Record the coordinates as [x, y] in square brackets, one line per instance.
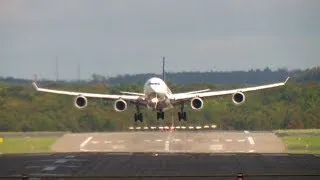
[162, 165]
[165, 155]
[172, 141]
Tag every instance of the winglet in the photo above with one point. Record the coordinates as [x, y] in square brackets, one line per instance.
[34, 82]
[287, 80]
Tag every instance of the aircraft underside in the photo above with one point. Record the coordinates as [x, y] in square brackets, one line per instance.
[160, 108]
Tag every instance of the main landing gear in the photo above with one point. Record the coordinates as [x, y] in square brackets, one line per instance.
[138, 115]
[182, 114]
[160, 115]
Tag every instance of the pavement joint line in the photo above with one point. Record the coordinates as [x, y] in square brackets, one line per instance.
[85, 142]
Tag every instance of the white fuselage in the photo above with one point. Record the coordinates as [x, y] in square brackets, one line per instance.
[157, 93]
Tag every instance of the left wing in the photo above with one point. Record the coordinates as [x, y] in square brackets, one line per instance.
[177, 97]
[89, 95]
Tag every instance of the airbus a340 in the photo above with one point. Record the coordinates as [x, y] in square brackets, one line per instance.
[157, 96]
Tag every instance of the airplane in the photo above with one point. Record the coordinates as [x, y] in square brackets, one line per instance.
[158, 97]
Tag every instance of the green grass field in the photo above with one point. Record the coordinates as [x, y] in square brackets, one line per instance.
[301, 140]
[26, 145]
[302, 144]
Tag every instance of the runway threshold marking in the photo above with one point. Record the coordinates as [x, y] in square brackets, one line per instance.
[85, 142]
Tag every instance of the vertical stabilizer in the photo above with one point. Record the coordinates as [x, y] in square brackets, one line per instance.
[163, 70]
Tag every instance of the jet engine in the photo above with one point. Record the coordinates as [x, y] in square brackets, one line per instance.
[238, 98]
[196, 103]
[120, 105]
[80, 102]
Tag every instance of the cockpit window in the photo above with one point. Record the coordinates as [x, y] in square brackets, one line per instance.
[154, 83]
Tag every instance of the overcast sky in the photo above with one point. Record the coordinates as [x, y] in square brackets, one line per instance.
[125, 37]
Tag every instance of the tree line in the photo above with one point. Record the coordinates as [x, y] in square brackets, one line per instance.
[296, 105]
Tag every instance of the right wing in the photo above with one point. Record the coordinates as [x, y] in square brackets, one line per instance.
[89, 95]
[193, 92]
[182, 97]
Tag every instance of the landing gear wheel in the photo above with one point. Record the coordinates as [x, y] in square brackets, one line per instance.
[182, 115]
[138, 117]
[160, 115]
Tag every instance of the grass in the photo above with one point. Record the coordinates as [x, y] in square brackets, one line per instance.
[290, 132]
[305, 141]
[26, 145]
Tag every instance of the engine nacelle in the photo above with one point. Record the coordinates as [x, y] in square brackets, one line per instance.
[238, 98]
[120, 105]
[80, 102]
[196, 103]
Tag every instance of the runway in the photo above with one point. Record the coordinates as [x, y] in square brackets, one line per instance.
[172, 141]
[162, 165]
[165, 155]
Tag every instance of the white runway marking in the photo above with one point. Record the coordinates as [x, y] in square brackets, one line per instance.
[229, 140]
[167, 143]
[166, 146]
[60, 161]
[251, 150]
[246, 132]
[241, 140]
[159, 140]
[250, 139]
[216, 147]
[94, 142]
[118, 147]
[120, 141]
[85, 142]
[49, 168]
[107, 142]
[146, 140]
[176, 140]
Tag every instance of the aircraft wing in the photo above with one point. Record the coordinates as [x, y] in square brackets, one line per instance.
[192, 92]
[89, 95]
[181, 96]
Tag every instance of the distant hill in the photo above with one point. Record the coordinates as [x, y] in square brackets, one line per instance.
[221, 78]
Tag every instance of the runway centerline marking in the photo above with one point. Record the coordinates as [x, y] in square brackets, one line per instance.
[246, 132]
[167, 143]
[251, 141]
[85, 142]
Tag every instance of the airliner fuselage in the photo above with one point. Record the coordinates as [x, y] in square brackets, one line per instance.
[157, 94]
